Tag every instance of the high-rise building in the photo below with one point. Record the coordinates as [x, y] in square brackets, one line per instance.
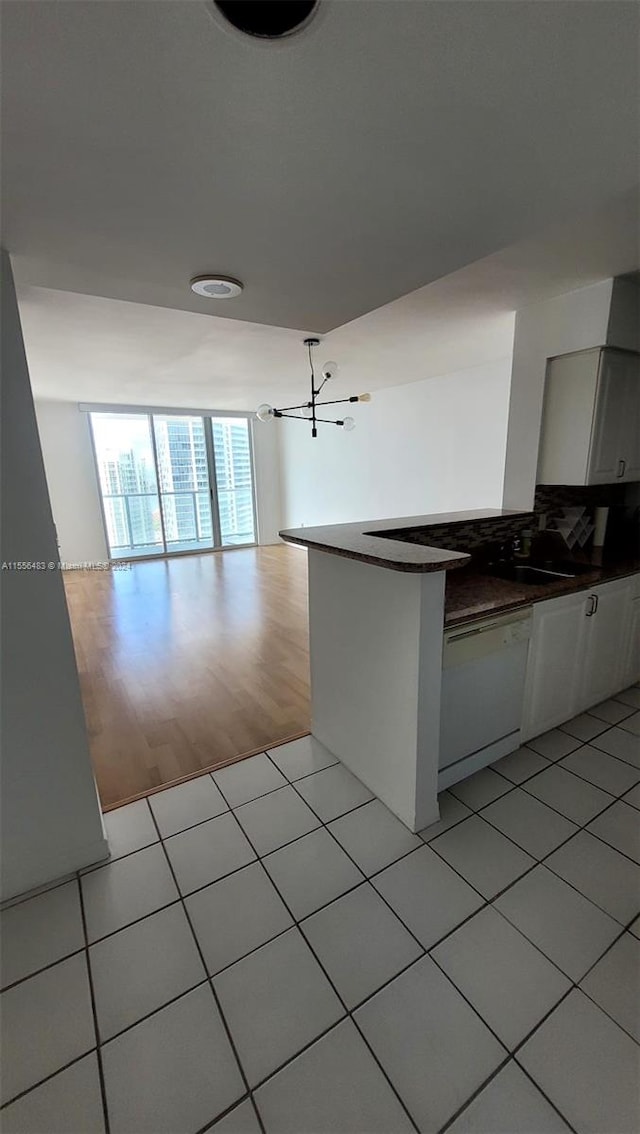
[234, 479]
[183, 476]
[159, 492]
[130, 499]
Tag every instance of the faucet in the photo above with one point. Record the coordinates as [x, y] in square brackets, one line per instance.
[510, 548]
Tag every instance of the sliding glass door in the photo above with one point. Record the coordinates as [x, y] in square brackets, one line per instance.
[128, 483]
[183, 478]
[234, 480]
[174, 482]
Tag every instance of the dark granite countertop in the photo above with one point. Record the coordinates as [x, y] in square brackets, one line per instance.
[371, 541]
[470, 594]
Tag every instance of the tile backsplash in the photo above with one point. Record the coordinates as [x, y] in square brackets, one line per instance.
[549, 501]
[466, 536]
[550, 498]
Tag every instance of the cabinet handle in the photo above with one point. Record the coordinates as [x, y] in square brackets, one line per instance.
[593, 599]
[621, 468]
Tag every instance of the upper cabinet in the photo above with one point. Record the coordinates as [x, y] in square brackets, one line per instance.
[591, 419]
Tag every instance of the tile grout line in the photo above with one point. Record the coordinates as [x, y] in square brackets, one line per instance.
[224, 1114]
[570, 772]
[592, 744]
[229, 1111]
[575, 985]
[348, 1012]
[478, 1091]
[360, 1004]
[199, 889]
[541, 861]
[38, 891]
[20, 899]
[374, 874]
[365, 879]
[348, 1015]
[537, 862]
[428, 952]
[544, 1095]
[490, 1079]
[43, 969]
[48, 1078]
[512, 785]
[94, 1012]
[210, 983]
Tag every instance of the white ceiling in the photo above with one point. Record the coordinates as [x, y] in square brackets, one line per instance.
[85, 348]
[390, 144]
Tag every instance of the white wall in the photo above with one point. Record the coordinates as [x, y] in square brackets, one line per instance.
[266, 459]
[624, 320]
[574, 321]
[51, 822]
[376, 659]
[432, 446]
[72, 481]
[75, 495]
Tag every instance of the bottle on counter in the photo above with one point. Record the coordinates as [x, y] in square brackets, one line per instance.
[522, 545]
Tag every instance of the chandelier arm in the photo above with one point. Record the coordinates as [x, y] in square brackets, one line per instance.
[327, 421]
[293, 416]
[303, 405]
[337, 401]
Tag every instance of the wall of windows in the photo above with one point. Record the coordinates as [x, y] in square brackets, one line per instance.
[174, 482]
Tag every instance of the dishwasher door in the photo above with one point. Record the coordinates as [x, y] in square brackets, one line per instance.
[483, 675]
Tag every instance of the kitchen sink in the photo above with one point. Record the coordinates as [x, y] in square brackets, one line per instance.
[535, 573]
[563, 567]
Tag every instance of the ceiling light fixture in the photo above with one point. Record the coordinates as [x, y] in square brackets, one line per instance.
[216, 287]
[306, 411]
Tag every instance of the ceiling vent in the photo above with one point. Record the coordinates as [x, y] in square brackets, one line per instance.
[267, 19]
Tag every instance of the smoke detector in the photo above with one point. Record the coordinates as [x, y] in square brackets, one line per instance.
[216, 287]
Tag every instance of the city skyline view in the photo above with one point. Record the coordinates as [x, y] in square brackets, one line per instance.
[163, 485]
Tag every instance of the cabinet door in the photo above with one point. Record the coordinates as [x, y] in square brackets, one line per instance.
[631, 669]
[609, 423]
[603, 658]
[630, 440]
[554, 664]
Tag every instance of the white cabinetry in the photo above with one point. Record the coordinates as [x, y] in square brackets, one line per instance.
[631, 666]
[591, 419]
[583, 648]
[552, 681]
[601, 663]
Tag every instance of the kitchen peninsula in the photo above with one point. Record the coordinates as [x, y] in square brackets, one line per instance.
[386, 697]
[376, 622]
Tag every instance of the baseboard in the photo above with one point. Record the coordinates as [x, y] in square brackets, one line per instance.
[477, 760]
[56, 869]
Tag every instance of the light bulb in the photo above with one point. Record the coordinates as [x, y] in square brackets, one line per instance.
[264, 412]
[364, 397]
[348, 424]
[329, 370]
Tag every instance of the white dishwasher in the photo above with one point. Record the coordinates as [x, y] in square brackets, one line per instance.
[483, 673]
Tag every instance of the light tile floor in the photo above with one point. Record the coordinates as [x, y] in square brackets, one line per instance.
[270, 951]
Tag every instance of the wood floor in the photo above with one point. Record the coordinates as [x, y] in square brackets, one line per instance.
[187, 663]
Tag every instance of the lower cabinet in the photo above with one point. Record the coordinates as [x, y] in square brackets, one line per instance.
[601, 663]
[552, 681]
[631, 670]
[583, 648]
